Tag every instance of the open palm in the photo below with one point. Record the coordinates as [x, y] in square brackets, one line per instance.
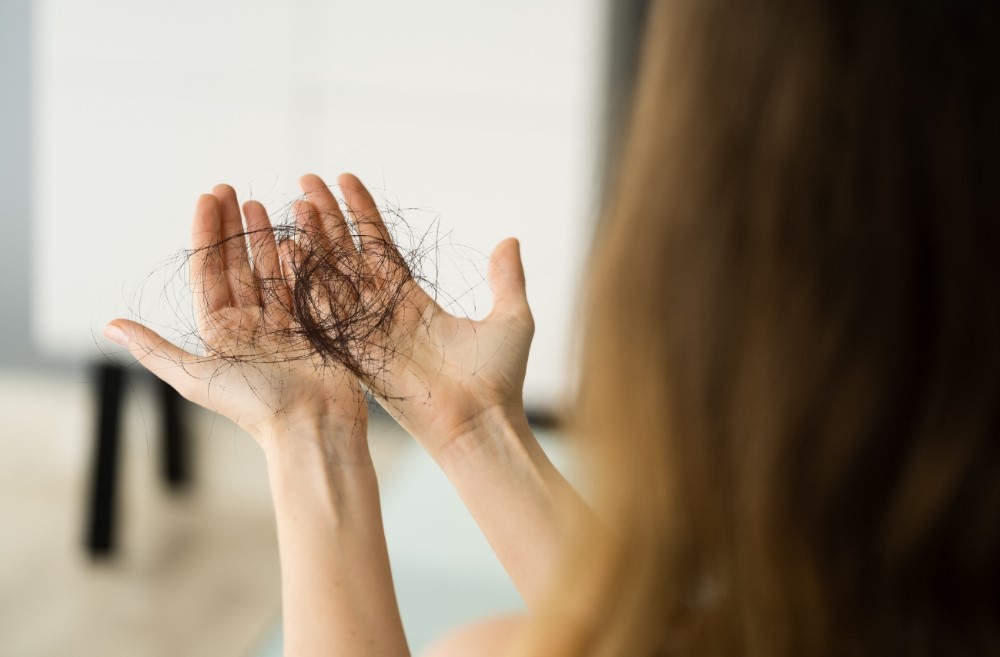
[437, 374]
[256, 368]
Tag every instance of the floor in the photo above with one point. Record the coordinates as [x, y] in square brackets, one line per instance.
[197, 574]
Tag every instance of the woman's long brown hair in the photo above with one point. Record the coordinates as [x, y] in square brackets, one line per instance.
[791, 372]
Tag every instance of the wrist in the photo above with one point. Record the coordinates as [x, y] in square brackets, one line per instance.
[323, 475]
[315, 439]
[496, 429]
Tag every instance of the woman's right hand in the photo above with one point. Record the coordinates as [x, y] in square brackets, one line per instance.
[441, 376]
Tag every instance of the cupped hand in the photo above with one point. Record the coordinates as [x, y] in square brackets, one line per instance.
[439, 375]
[255, 368]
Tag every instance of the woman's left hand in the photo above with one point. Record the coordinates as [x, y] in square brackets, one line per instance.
[256, 368]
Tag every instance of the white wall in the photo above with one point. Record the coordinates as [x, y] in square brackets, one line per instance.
[484, 116]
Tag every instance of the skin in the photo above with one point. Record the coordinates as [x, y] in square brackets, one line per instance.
[453, 383]
[442, 373]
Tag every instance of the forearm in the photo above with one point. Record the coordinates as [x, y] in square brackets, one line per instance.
[337, 591]
[520, 501]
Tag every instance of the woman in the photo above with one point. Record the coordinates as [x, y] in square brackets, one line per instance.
[790, 377]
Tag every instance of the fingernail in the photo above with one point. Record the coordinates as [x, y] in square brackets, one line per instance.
[116, 335]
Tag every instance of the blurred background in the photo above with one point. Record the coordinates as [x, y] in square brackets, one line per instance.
[134, 524]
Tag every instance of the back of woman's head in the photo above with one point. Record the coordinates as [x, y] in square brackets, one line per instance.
[792, 367]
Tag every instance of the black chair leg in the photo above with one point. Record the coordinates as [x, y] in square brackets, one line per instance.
[175, 464]
[104, 473]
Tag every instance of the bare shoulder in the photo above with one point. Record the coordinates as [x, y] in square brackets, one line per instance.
[489, 637]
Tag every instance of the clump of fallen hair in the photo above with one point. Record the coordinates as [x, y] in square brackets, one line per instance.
[341, 308]
[335, 302]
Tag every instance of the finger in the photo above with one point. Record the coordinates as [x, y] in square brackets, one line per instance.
[242, 288]
[312, 236]
[208, 278]
[327, 288]
[183, 371]
[271, 286]
[312, 252]
[383, 261]
[377, 247]
[505, 274]
[289, 254]
[292, 257]
[330, 215]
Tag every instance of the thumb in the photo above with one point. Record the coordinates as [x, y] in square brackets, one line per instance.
[178, 368]
[506, 278]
